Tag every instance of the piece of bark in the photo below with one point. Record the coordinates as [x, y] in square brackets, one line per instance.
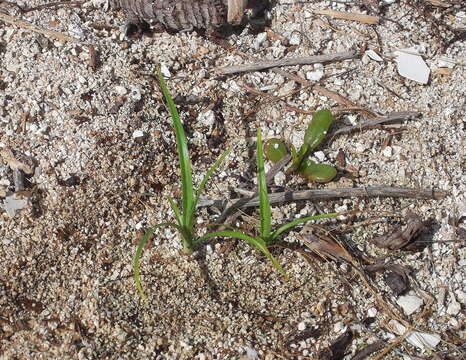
[404, 239]
[368, 350]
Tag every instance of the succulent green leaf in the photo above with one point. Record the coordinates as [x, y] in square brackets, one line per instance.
[318, 128]
[275, 150]
[321, 173]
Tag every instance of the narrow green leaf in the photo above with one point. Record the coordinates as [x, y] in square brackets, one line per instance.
[264, 203]
[296, 222]
[318, 128]
[257, 243]
[176, 210]
[202, 184]
[183, 153]
[138, 254]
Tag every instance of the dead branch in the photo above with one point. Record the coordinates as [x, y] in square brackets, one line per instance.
[304, 60]
[388, 119]
[290, 196]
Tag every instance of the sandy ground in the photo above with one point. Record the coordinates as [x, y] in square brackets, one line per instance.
[104, 161]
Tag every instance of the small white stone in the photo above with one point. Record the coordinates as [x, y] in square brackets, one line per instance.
[372, 312]
[373, 55]
[165, 72]
[295, 38]
[409, 303]
[121, 90]
[319, 155]
[206, 118]
[339, 327]
[259, 40]
[279, 178]
[454, 307]
[387, 152]
[315, 75]
[412, 66]
[446, 62]
[138, 134]
[301, 326]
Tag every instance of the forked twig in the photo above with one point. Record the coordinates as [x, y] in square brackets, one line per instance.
[289, 196]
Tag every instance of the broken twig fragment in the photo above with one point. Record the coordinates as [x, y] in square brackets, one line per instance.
[388, 119]
[364, 19]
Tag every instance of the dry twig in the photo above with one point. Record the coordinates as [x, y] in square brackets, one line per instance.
[289, 196]
[304, 60]
[31, 27]
[362, 18]
[388, 119]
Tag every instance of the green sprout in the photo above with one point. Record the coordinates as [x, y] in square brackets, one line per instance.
[318, 127]
[267, 235]
[185, 216]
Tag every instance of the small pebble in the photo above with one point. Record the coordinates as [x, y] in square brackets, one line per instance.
[409, 303]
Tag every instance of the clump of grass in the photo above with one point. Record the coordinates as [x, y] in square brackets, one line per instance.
[267, 235]
[185, 215]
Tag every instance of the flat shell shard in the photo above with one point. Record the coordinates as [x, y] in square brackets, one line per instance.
[175, 15]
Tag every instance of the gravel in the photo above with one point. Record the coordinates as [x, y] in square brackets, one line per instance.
[105, 162]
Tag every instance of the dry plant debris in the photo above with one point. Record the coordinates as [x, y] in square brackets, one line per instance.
[92, 118]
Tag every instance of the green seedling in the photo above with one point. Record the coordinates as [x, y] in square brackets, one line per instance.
[266, 235]
[185, 216]
[275, 150]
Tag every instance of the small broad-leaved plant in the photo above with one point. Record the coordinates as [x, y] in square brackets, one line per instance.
[275, 150]
[185, 215]
[266, 234]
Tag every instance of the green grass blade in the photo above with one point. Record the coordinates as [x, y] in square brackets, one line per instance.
[257, 243]
[182, 147]
[176, 210]
[264, 204]
[138, 254]
[203, 183]
[296, 222]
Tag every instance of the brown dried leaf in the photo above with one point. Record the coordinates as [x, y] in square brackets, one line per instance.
[18, 161]
[323, 245]
[402, 239]
[337, 350]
